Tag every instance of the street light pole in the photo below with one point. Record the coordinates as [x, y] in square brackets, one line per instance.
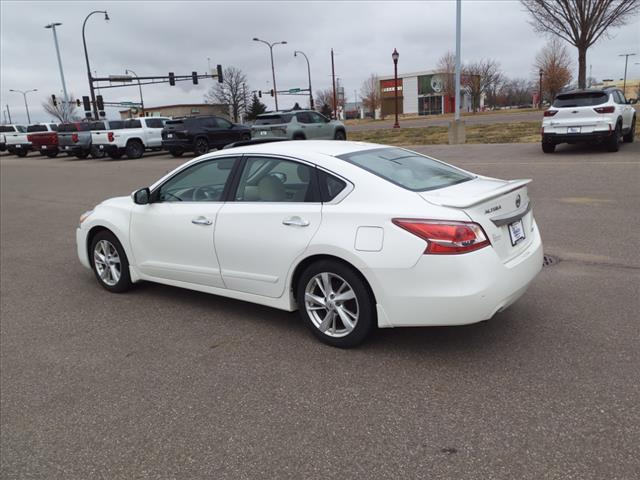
[53, 26]
[273, 70]
[24, 95]
[540, 90]
[395, 56]
[127, 71]
[626, 59]
[309, 73]
[86, 57]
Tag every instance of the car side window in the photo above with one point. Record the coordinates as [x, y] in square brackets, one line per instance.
[154, 122]
[330, 186]
[317, 118]
[210, 123]
[623, 100]
[304, 117]
[266, 179]
[203, 182]
[222, 123]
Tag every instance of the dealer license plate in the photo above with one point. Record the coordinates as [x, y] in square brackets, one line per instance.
[18, 146]
[516, 232]
[44, 147]
[101, 147]
[169, 135]
[263, 132]
[574, 129]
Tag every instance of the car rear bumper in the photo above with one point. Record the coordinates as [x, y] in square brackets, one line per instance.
[596, 136]
[454, 289]
[74, 149]
[107, 148]
[177, 144]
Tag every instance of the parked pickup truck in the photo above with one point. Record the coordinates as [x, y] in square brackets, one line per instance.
[131, 137]
[16, 140]
[4, 129]
[44, 137]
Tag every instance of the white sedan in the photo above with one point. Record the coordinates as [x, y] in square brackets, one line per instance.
[353, 235]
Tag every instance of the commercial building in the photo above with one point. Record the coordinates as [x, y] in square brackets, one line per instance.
[183, 110]
[421, 93]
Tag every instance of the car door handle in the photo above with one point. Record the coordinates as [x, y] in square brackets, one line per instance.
[201, 221]
[296, 222]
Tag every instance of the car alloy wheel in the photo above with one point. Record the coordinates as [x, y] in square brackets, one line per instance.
[331, 304]
[201, 147]
[107, 262]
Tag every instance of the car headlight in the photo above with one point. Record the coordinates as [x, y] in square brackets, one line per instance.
[85, 215]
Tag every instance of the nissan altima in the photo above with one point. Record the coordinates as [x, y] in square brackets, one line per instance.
[352, 235]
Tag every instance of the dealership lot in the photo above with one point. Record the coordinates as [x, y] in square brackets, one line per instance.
[169, 383]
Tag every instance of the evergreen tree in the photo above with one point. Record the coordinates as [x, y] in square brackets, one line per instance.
[256, 108]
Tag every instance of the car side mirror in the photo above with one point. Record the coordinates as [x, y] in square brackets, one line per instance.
[142, 196]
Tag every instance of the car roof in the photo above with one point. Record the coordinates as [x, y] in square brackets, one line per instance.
[298, 148]
[587, 90]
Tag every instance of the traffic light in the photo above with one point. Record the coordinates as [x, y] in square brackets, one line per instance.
[54, 101]
[100, 102]
[260, 93]
[219, 68]
[87, 104]
[78, 102]
[172, 79]
[194, 77]
[271, 92]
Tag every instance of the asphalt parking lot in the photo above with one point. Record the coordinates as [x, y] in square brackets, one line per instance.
[167, 383]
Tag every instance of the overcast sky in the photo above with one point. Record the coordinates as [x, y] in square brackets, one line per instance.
[153, 38]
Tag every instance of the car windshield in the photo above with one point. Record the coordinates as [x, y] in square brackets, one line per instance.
[407, 169]
[273, 119]
[582, 99]
[36, 128]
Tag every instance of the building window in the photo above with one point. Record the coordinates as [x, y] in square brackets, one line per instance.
[195, 110]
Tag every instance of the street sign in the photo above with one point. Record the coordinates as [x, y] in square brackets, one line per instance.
[120, 78]
[294, 90]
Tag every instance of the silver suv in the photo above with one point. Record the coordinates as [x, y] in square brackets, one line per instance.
[297, 125]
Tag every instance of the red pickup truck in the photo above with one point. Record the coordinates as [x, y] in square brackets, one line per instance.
[44, 137]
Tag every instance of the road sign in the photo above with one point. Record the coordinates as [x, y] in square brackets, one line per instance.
[294, 90]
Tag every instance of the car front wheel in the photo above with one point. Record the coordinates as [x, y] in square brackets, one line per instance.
[109, 262]
[201, 146]
[340, 135]
[335, 303]
[548, 147]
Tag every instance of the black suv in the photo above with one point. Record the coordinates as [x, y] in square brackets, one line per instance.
[199, 134]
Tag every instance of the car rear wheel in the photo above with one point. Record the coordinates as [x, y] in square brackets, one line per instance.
[335, 303]
[340, 135]
[109, 262]
[97, 153]
[82, 155]
[21, 153]
[200, 146]
[115, 155]
[52, 154]
[628, 138]
[298, 136]
[613, 142]
[134, 149]
[548, 147]
[176, 152]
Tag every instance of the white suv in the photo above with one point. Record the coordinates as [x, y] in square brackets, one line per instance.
[589, 116]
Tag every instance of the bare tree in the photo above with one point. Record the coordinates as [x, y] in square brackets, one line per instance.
[580, 22]
[324, 102]
[514, 92]
[480, 78]
[370, 94]
[555, 62]
[63, 111]
[232, 91]
[447, 67]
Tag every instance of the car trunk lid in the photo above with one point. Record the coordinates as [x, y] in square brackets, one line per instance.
[502, 208]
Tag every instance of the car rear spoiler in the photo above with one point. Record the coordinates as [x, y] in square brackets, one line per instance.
[256, 141]
[486, 196]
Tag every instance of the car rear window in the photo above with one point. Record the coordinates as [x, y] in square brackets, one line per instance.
[4, 128]
[407, 169]
[67, 127]
[582, 99]
[132, 124]
[273, 119]
[97, 126]
[116, 125]
[36, 128]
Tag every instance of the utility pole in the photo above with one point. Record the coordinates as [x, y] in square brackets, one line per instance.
[333, 75]
[53, 26]
[456, 128]
[626, 59]
[9, 114]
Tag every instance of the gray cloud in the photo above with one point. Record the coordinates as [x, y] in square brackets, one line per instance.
[158, 37]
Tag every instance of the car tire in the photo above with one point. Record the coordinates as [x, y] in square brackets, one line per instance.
[548, 147]
[324, 315]
[245, 137]
[82, 155]
[613, 142]
[200, 146]
[628, 138]
[298, 136]
[134, 149]
[21, 153]
[340, 135]
[116, 155]
[176, 152]
[97, 153]
[52, 154]
[109, 262]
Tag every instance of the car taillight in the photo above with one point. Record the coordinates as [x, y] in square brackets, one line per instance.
[110, 136]
[29, 138]
[74, 138]
[609, 109]
[550, 113]
[446, 237]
